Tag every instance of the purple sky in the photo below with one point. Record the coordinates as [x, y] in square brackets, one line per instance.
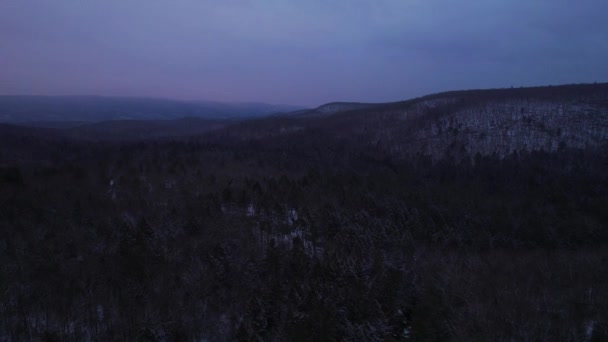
[304, 52]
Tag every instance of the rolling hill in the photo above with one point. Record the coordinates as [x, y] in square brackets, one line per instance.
[39, 109]
[459, 123]
[483, 210]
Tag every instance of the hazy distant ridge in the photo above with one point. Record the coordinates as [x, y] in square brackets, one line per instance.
[16, 109]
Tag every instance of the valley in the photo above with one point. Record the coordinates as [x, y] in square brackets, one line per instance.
[473, 215]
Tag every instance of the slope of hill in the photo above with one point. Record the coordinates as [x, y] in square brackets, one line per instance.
[333, 227]
[23, 109]
[460, 123]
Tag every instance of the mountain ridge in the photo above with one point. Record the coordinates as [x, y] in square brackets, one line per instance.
[460, 123]
[94, 108]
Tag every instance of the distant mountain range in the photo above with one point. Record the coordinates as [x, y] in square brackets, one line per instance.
[49, 109]
[336, 107]
[458, 124]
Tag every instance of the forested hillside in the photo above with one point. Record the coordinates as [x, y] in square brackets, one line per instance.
[458, 124]
[476, 215]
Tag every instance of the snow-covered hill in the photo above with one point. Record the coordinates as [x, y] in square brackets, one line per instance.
[460, 124]
[501, 122]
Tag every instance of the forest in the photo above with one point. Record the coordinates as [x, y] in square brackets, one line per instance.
[310, 229]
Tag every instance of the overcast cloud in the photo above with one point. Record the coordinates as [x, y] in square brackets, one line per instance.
[297, 52]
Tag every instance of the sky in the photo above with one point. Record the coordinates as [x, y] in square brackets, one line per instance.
[305, 52]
